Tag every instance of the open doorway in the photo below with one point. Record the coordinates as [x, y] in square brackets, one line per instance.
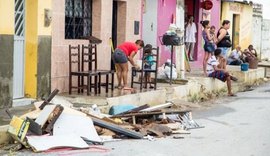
[191, 10]
[235, 30]
[119, 13]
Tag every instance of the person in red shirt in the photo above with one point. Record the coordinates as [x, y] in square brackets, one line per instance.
[125, 52]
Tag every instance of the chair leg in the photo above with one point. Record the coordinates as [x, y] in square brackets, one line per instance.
[70, 84]
[132, 80]
[88, 85]
[112, 83]
[141, 80]
[79, 84]
[107, 83]
[99, 83]
[96, 85]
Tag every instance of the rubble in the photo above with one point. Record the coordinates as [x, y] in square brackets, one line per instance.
[54, 125]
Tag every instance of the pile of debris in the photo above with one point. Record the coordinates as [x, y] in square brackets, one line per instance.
[53, 126]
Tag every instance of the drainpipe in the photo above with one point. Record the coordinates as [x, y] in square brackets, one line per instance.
[179, 50]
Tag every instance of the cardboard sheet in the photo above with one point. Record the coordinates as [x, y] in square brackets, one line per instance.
[43, 143]
[76, 125]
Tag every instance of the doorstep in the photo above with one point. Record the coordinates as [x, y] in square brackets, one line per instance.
[22, 102]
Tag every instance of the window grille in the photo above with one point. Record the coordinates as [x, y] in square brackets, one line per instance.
[78, 18]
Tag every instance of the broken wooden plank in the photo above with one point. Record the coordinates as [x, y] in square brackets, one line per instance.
[44, 115]
[134, 110]
[48, 99]
[151, 113]
[158, 107]
[34, 127]
[117, 128]
[55, 115]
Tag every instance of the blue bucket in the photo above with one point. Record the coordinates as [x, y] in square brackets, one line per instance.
[244, 66]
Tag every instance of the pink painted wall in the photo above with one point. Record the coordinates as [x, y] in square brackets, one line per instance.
[166, 9]
[215, 20]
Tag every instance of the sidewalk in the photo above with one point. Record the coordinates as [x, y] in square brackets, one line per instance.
[197, 86]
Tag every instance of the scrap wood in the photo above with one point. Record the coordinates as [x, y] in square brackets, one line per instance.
[180, 131]
[48, 99]
[55, 115]
[157, 107]
[173, 126]
[146, 113]
[158, 129]
[134, 110]
[117, 128]
[45, 115]
[34, 127]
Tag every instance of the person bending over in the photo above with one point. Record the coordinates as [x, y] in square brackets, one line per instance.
[123, 54]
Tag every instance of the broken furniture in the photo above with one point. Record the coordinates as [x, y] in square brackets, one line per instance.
[76, 70]
[89, 58]
[143, 72]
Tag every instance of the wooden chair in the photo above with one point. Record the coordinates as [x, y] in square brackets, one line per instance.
[76, 70]
[142, 72]
[89, 56]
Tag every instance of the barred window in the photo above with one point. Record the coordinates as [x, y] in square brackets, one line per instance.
[78, 18]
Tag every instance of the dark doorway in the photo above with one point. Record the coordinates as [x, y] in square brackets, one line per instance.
[114, 29]
[235, 30]
[191, 9]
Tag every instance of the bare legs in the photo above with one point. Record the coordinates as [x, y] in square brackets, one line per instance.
[207, 55]
[229, 85]
[122, 74]
[190, 49]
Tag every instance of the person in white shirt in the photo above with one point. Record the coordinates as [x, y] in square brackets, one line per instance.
[215, 72]
[191, 30]
[235, 56]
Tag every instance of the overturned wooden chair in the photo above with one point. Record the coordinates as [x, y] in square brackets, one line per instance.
[141, 73]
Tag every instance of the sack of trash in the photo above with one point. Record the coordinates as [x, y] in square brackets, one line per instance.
[164, 72]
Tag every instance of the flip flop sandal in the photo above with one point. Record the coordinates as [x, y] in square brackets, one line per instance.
[126, 88]
[232, 95]
[234, 78]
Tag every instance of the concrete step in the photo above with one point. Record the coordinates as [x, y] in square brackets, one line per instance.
[22, 102]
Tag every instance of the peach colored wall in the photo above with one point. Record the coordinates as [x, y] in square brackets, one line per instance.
[102, 25]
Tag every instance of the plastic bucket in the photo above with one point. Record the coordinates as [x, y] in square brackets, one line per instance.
[244, 66]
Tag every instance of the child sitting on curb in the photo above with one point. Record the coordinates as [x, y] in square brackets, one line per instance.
[214, 71]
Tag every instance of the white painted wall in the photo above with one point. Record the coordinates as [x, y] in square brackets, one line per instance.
[265, 50]
[257, 33]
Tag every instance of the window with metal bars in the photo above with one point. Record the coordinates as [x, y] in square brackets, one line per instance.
[78, 19]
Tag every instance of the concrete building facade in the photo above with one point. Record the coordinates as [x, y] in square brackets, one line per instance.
[125, 12]
[25, 43]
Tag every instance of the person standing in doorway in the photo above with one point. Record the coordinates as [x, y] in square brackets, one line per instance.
[209, 46]
[123, 54]
[224, 39]
[191, 30]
